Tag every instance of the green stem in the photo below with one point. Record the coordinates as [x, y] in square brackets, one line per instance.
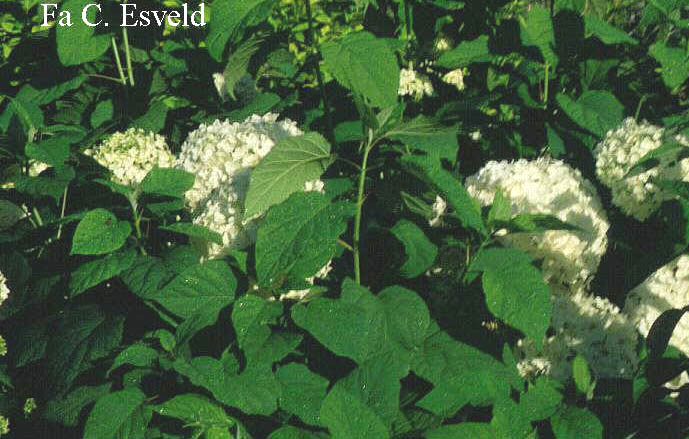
[638, 107]
[407, 19]
[128, 57]
[547, 81]
[118, 63]
[137, 223]
[62, 213]
[319, 75]
[357, 218]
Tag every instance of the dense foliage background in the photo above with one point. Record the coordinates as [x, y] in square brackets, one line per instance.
[116, 327]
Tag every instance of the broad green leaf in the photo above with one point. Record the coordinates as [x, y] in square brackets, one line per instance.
[10, 214]
[52, 186]
[114, 414]
[251, 316]
[421, 252]
[466, 52]
[207, 285]
[230, 17]
[291, 163]
[534, 223]
[460, 373]
[541, 400]
[661, 331]
[673, 62]
[575, 423]
[67, 409]
[79, 43]
[605, 32]
[365, 65]
[465, 430]
[154, 118]
[92, 273]
[201, 319]
[596, 111]
[99, 232]
[238, 64]
[102, 113]
[298, 237]
[347, 417]
[303, 392]
[146, 276]
[408, 318]
[167, 181]
[519, 296]
[254, 391]
[581, 373]
[82, 335]
[194, 231]
[509, 420]
[53, 151]
[467, 210]
[556, 145]
[426, 135]
[501, 209]
[669, 151]
[137, 355]
[537, 30]
[289, 432]
[197, 412]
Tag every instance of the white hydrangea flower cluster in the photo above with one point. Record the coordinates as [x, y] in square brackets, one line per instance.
[442, 44]
[414, 84]
[456, 78]
[585, 325]
[620, 150]
[4, 289]
[666, 288]
[222, 153]
[548, 186]
[130, 155]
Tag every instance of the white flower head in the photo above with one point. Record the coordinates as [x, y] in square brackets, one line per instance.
[666, 288]
[4, 289]
[456, 78]
[222, 153]
[548, 186]
[414, 84]
[439, 210]
[130, 155]
[620, 150]
[585, 325]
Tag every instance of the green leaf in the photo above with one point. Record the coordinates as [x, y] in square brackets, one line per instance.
[501, 209]
[238, 64]
[53, 151]
[575, 423]
[465, 430]
[537, 30]
[581, 373]
[82, 335]
[99, 232]
[209, 285]
[10, 214]
[114, 415]
[137, 355]
[467, 52]
[230, 17]
[673, 62]
[408, 318]
[556, 145]
[605, 32]
[347, 417]
[288, 166]
[289, 432]
[102, 113]
[52, 186]
[509, 420]
[519, 296]
[251, 316]
[146, 276]
[198, 412]
[92, 273]
[167, 182]
[365, 65]
[298, 237]
[67, 409]
[661, 331]
[535, 222]
[194, 231]
[78, 43]
[596, 111]
[467, 210]
[541, 400]
[421, 252]
[426, 135]
[303, 392]
[154, 118]
[669, 151]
